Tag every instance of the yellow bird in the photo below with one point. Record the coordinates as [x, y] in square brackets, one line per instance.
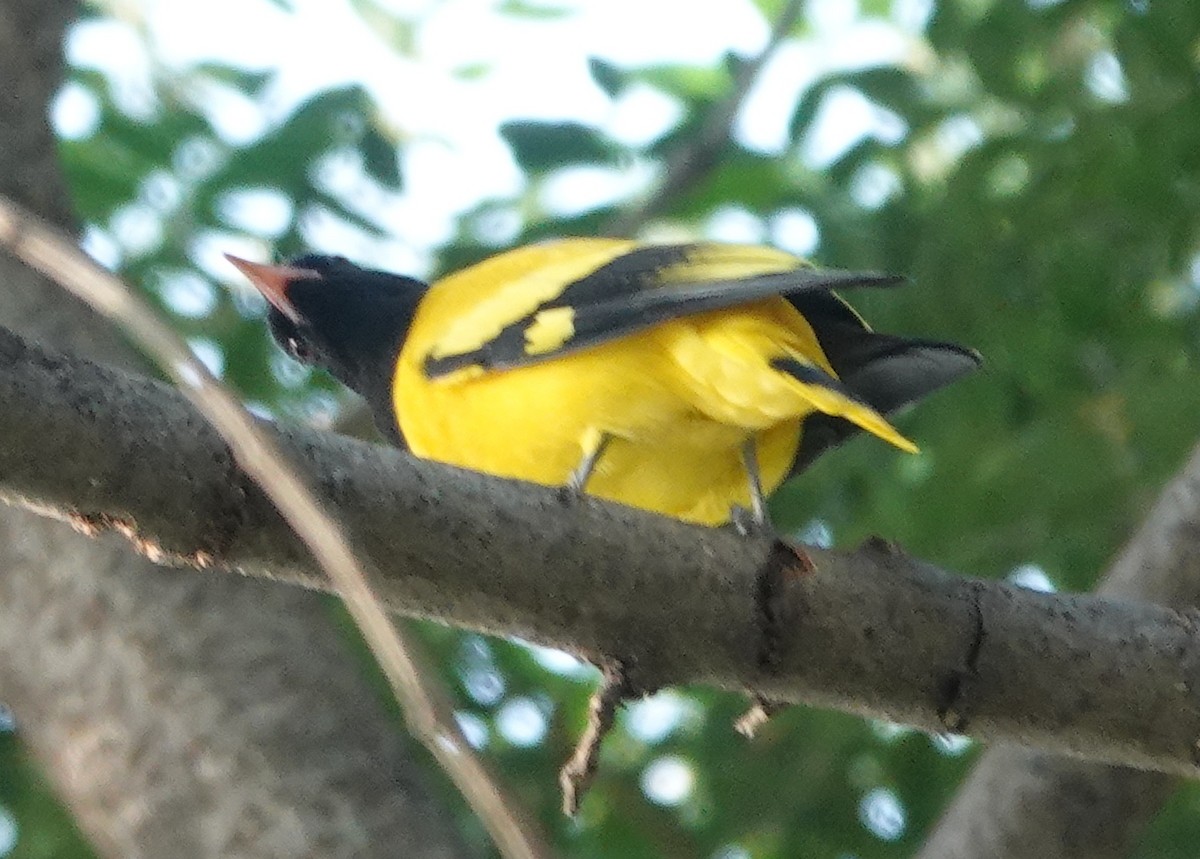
[688, 379]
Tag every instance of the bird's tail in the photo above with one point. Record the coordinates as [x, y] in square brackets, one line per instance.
[829, 396]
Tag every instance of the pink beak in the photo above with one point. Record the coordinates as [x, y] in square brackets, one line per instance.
[273, 282]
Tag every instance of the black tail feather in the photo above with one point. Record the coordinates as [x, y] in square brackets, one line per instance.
[888, 372]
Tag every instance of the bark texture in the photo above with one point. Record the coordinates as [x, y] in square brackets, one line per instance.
[872, 631]
[1018, 803]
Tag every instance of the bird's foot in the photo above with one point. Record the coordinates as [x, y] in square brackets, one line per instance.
[750, 522]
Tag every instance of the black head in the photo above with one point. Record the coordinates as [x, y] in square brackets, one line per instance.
[330, 313]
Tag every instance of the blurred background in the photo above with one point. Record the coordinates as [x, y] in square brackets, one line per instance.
[1033, 167]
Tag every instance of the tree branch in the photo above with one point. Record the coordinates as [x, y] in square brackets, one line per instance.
[1018, 803]
[688, 164]
[871, 631]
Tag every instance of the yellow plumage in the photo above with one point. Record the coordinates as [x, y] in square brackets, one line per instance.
[678, 399]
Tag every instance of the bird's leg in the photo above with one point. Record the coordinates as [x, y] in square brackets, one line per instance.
[577, 482]
[755, 520]
[758, 503]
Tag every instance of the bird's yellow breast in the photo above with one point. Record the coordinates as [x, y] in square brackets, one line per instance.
[678, 399]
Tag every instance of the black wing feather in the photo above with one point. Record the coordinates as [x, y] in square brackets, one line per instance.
[626, 296]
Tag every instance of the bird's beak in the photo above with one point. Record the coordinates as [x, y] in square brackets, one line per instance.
[272, 281]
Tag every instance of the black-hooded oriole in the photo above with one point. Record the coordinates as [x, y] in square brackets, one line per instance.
[689, 379]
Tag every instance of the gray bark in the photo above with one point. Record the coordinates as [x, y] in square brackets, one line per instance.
[175, 715]
[1018, 803]
[871, 632]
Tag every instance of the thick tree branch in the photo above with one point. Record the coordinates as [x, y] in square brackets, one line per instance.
[871, 632]
[1018, 802]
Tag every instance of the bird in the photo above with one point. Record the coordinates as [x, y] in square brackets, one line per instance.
[690, 379]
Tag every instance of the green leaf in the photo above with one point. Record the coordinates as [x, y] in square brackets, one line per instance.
[538, 146]
[380, 158]
[607, 76]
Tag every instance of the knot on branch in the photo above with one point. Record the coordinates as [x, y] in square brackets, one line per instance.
[952, 696]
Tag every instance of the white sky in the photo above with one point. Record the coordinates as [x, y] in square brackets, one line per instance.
[531, 67]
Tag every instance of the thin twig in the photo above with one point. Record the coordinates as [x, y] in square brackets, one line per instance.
[428, 715]
[577, 773]
[695, 158]
[760, 712]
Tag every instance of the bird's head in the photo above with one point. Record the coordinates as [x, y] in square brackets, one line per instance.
[330, 313]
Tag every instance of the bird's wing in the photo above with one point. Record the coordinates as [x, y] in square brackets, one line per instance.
[543, 314]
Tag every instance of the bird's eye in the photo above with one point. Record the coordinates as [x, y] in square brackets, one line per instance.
[299, 349]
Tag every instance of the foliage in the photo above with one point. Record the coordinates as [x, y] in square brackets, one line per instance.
[44, 830]
[1042, 192]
